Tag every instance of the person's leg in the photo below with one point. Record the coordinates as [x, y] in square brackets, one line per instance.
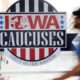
[79, 72]
[70, 73]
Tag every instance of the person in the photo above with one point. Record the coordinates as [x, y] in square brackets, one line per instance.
[76, 69]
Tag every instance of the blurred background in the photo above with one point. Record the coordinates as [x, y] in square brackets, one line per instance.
[55, 68]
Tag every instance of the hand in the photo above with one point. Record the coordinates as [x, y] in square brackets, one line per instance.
[57, 79]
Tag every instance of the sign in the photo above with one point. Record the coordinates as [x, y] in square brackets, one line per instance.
[32, 34]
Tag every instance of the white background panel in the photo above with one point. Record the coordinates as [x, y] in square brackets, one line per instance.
[64, 62]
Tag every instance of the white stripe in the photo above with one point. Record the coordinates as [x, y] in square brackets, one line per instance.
[10, 49]
[27, 53]
[18, 52]
[17, 7]
[46, 52]
[37, 53]
[9, 10]
[36, 6]
[45, 7]
[26, 5]
[54, 10]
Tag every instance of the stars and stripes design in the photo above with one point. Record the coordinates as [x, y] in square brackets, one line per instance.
[31, 6]
[32, 54]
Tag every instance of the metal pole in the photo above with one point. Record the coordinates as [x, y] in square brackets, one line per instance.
[0, 59]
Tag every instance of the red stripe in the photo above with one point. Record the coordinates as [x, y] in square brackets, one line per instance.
[32, 54]
[6, 22]
[51, 50]
[14, 51]
[41, 53]
[23, 53]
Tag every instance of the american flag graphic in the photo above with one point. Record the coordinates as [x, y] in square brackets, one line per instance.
[32, 54]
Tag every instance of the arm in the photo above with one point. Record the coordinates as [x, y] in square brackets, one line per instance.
[69, 74]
